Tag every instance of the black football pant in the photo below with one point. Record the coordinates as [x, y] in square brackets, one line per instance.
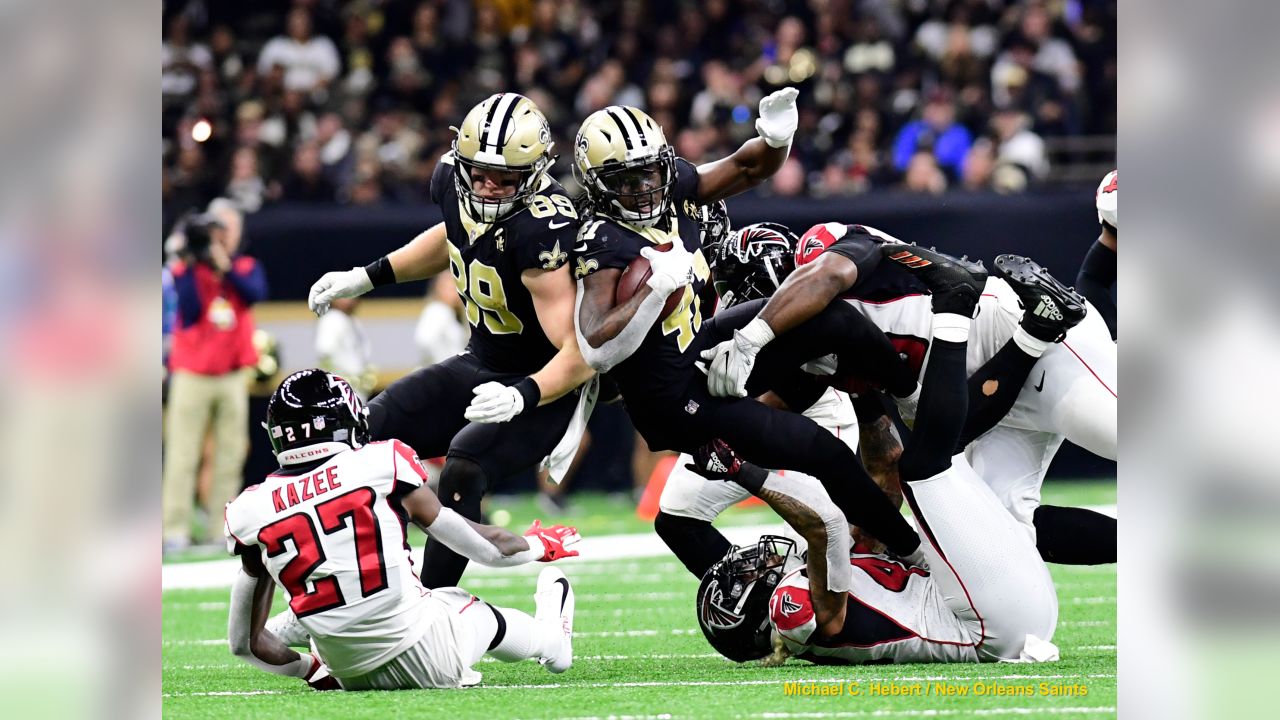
[781, 439]
[425, 410]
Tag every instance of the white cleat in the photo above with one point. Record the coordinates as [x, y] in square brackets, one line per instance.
[285, 626]
[554, 602]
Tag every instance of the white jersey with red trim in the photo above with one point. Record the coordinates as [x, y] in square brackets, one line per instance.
[908, 322]
[895, 613]
[333, 538]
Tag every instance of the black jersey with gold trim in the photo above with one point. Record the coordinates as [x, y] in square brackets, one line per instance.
[487, 261]
[660, 366]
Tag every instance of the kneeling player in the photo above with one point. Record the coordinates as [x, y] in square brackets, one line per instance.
[983, 595]
[329, 528]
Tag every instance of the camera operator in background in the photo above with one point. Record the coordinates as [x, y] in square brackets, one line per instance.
[210, 363]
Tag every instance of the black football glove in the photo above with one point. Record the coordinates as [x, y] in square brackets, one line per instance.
[717, 461]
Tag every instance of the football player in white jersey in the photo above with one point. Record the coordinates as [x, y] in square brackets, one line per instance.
[329, 529]
[1072, 393]
[983, 593]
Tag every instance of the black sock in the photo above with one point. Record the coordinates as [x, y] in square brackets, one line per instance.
[1075, 536]
[940, 414]
[994, 388]
[695, 542]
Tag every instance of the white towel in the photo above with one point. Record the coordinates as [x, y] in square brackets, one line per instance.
[561, 456]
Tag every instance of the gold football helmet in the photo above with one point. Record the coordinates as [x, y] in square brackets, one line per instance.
[623, 162]
[505, 133]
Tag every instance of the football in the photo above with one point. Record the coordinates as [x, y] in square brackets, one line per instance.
[636, 275]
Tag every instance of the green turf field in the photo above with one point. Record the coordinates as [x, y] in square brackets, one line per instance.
[639, 653]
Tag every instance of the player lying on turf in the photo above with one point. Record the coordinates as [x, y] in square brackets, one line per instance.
[643, 197]
[506, 403]
[329, 529]
[983, 595]
[1070, 393]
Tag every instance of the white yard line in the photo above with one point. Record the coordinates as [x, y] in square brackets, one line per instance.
[729, 683]
[942, 713]
[598, 556]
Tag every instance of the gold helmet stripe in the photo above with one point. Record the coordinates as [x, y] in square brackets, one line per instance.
[504, 108]
[622, 128]
[631, 113]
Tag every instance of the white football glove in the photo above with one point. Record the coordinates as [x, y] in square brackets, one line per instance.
[333, 285]
[668, 270]
[494, 403]
[778, 117]
[731, 361]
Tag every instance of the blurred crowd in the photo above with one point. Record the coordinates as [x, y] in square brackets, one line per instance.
[352, 101]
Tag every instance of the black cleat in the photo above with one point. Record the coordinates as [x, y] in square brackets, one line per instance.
[1049, 308]
[956, 283]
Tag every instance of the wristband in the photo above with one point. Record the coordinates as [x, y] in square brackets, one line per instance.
[751, 477]
[529, 390]
[380, 272]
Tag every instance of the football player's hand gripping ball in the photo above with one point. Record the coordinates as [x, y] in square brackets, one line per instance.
[333, 285]
[556, 539]
[778, 117]
[668, 270]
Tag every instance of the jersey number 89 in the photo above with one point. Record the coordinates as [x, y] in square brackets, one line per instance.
[481, 289]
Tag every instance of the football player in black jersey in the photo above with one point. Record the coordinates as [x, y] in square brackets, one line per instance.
[502, 405]
[844, 262]
[641, 197]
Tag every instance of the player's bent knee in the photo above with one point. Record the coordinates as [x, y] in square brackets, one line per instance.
[462, 483]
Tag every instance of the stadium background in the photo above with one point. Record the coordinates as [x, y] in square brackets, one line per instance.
[331, 171]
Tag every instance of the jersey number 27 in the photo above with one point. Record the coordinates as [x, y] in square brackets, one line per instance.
[352, 511]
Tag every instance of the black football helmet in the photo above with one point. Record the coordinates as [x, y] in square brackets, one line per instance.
[715, 224]
[752, 262]
[733, 599]
[313, 414]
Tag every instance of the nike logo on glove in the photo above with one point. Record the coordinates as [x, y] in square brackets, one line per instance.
[1040, 387]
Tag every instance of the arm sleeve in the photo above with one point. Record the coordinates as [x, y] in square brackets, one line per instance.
[603, 251]
[603, 359]
[248, 279]
[1097, 275]
[453, 530]
[239, 631]
[189, 306]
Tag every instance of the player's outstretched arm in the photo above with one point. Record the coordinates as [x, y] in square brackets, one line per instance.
[425, 255]
[247, 634]
[486, 544]
[759, 158]
[609, 333]
[804, 294]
